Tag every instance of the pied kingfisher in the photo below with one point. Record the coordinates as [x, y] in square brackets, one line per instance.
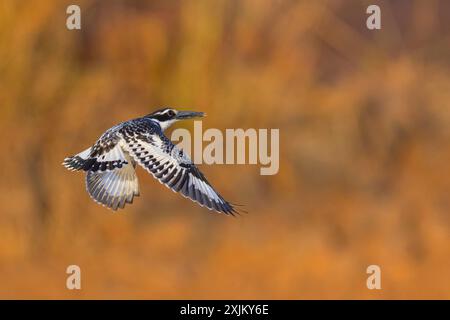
[110, 163]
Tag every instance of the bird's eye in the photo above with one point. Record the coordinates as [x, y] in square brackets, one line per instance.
[170, 113]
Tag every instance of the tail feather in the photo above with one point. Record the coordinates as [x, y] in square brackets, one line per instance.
[78, 161]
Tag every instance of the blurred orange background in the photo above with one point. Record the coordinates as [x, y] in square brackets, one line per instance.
[364, 148]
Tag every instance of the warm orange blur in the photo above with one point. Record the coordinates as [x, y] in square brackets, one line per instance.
[364, 148]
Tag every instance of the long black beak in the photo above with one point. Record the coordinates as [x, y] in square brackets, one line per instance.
[189, 114]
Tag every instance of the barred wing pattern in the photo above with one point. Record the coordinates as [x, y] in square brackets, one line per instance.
[113, 188]
[110, 176]
[173, 168]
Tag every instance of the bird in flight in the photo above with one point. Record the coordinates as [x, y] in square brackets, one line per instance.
[110, 163]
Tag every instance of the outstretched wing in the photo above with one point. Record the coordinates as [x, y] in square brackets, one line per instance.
[113, 188]
[173, 168]
[110, 176]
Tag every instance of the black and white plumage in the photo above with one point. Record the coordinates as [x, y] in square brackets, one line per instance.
[110, 163]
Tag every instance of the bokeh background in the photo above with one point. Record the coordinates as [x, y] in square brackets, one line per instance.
[364, 121]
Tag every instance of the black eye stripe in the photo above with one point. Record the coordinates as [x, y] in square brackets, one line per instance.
[163, 114]
[162, 117]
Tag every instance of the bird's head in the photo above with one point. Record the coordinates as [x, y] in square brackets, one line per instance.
[167, 116]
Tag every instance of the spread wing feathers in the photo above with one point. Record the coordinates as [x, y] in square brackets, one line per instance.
[174, 169]
[97, 159]
[113, 188]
